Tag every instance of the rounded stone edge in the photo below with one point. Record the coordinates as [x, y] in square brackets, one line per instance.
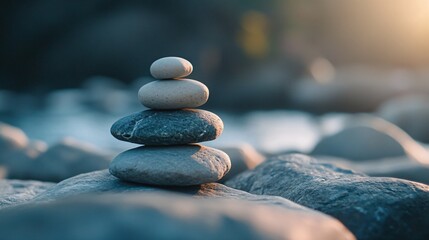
[222, 154]
[186, 71]
[121, 124]
[219, 130]
[204, 88]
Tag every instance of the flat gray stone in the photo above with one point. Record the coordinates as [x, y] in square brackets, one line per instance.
[183, 165]
[174, 127]
[164, 216]
[371, 207]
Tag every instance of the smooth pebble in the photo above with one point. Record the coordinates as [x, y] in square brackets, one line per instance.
[170, 68]
[173, 94]
[183, 165]
[174, 127]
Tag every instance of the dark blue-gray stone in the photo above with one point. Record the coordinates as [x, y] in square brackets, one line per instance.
[175, 127]
[371, 207]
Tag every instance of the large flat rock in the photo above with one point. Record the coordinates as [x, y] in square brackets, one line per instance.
[98, 205]
[164, 216]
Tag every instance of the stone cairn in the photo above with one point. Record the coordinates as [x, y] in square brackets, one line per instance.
[170, 131]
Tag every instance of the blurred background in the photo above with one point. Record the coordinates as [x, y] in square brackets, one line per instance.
[71, 68]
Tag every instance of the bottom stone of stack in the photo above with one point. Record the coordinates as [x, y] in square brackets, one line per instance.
[181, 165]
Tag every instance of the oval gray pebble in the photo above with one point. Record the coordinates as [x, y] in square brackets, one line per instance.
[184, 165]
[172, 127]
[170, 68]
[173, 94]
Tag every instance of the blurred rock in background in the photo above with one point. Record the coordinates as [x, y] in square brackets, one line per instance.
[314, 55]
[409, 112]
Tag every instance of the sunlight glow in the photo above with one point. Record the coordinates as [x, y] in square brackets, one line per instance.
[253, 36]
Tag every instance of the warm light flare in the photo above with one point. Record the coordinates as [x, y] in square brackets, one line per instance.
[253, 37]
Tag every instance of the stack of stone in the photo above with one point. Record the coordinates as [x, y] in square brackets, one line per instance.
[169, 132]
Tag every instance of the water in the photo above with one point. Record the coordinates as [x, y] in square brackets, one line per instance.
[267, 131]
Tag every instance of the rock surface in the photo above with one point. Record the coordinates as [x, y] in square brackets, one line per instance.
[243, 158]
[175, 127]
[153, 216]
[170, 67]
[182, 165]
[173, 94]
[399, 167]
[66, 159]
[99, 182]
[103, 182]
[372, 208]
[14, 192]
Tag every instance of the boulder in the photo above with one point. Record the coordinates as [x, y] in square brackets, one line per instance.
[366, 137]
[371, 207]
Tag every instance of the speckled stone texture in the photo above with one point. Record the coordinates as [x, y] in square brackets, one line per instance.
[371, 207]
[175, 127]
[14, 192]
[170, 68]
[171, 165]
